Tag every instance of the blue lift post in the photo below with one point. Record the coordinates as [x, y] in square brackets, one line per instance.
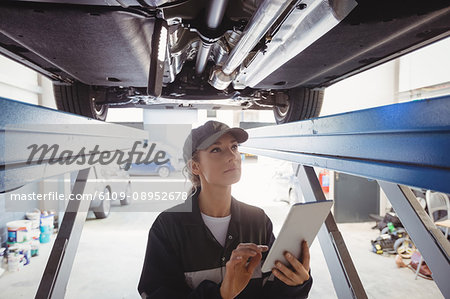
[22, 124]
[398, 145]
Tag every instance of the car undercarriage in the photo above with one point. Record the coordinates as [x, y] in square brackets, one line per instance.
[218, 54]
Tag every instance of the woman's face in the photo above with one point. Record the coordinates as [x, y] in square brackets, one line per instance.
[219, 164]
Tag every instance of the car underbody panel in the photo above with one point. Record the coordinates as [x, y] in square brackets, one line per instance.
[373, 33]
[94, 45]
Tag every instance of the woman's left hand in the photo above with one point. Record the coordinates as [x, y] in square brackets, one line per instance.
[299, 272]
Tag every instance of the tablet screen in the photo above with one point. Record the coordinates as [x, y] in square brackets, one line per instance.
[302, 223]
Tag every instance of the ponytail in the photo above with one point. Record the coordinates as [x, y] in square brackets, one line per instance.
[195, 179]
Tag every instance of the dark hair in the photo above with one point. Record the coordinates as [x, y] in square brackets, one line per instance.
[195, 179]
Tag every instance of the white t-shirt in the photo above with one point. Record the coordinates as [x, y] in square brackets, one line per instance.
[218, 227]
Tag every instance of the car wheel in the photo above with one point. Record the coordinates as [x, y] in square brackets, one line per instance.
[404, 247]
[105, 207]
[127, 198]
[164, 171]
[80, 99]
[385, 231]
[400, 230]
[303, 103]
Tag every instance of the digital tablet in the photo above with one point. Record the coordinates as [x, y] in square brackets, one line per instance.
[302, 223]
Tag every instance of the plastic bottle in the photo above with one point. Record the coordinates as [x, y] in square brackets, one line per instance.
[391, 227]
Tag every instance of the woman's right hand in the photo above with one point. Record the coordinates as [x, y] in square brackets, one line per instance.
[238, 271]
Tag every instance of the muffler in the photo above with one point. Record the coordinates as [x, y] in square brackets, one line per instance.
[306, 22]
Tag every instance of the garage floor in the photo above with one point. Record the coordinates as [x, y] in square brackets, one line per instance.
[110, 254]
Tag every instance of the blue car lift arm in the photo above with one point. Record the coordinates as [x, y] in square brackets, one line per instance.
[397, 145]
[22, 124]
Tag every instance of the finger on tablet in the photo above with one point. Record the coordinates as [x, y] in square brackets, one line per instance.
[254, 262]
[305, 255]
[258, 248]
[281, 275]
[295, 263]
[263, 248]
[249, 246]
[247, 252]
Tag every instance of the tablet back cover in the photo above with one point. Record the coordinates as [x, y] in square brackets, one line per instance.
[302, 223]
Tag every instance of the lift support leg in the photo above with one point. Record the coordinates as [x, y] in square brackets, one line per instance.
[43, 126]
[433, 246]
[57, 272]
[404, 143]
[343, 273]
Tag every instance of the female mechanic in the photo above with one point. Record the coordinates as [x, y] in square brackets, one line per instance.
[212, 245]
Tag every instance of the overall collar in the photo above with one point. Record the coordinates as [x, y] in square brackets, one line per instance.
[196, 217]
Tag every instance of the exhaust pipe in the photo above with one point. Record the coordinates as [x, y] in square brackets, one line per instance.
[214, 16]
[266, 15]
[305, 24]
[316, 17]
[262, 20]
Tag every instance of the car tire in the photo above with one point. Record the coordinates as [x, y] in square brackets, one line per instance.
[404, 248]
[400, 230]
[385, 231]
[80, 99]
[127, 198]
[105, 207]
[303, 103]
[164, 171]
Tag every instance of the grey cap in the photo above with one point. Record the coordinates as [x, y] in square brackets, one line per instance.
[204, 136]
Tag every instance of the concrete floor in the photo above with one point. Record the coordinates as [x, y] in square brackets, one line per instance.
[110, 254]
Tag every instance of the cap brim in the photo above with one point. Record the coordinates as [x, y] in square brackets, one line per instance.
[240, 135]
